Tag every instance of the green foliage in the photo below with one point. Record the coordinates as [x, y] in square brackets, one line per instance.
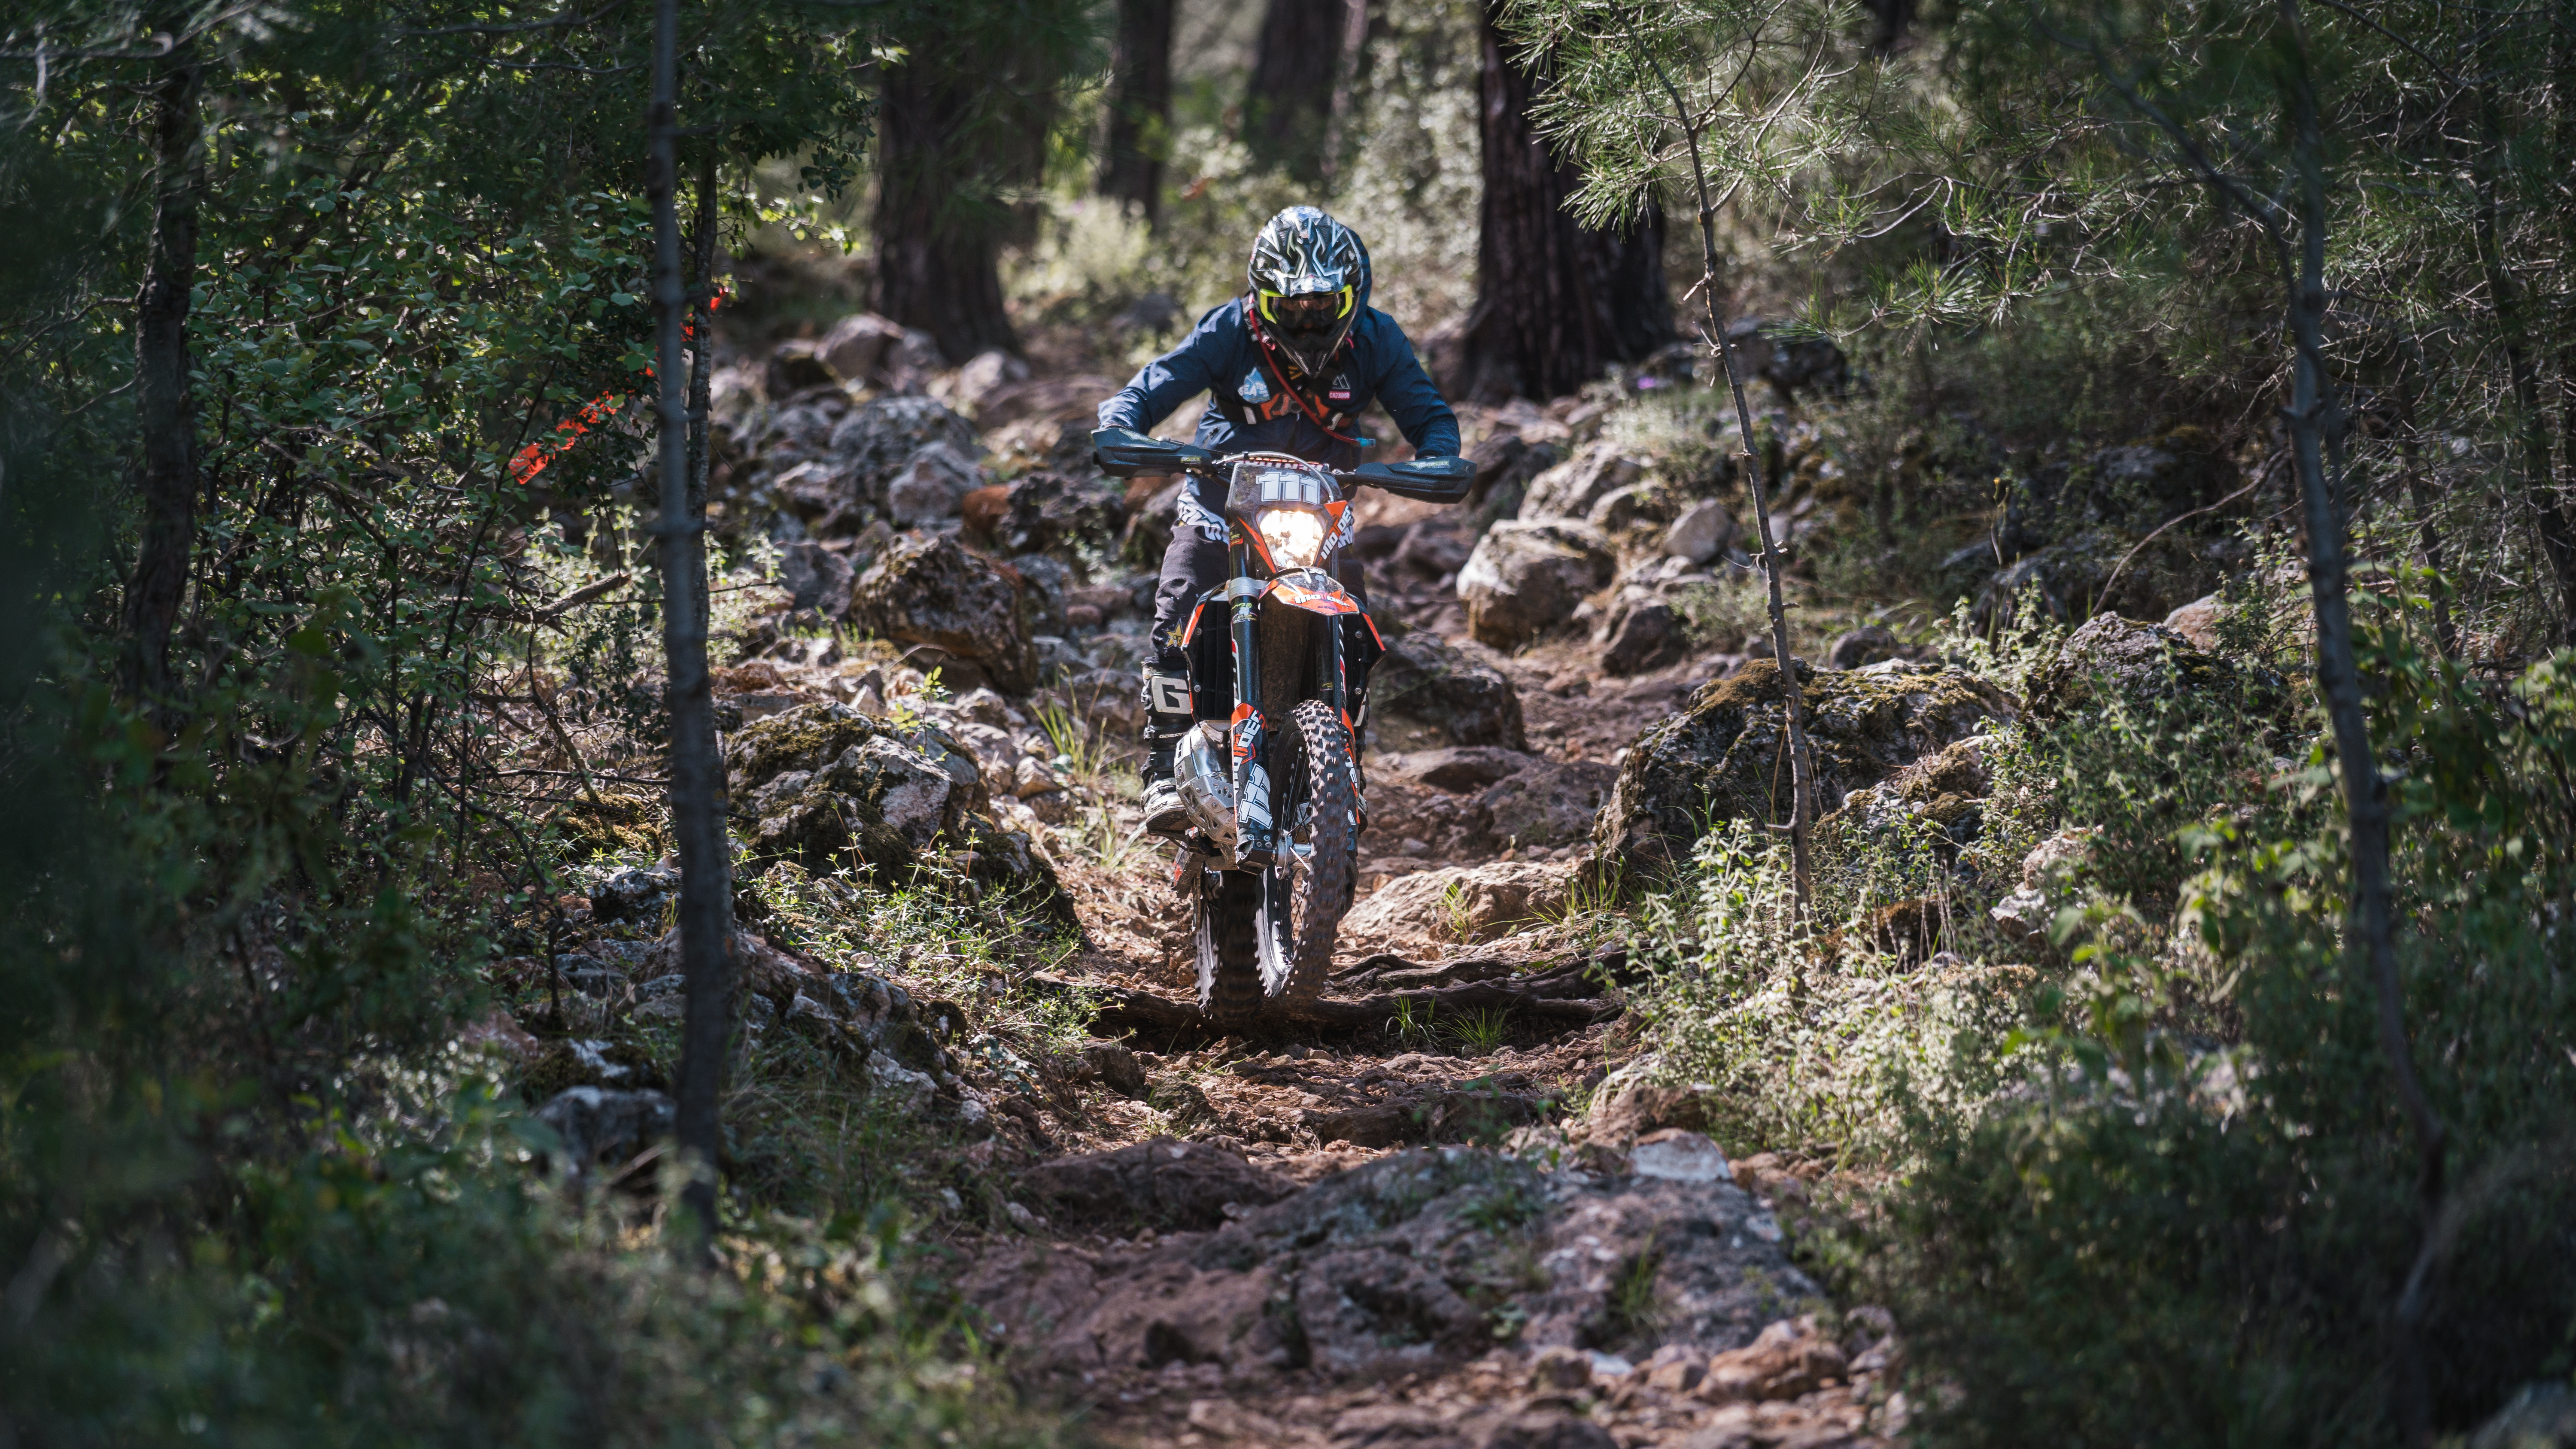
[260, 1195]
[2247, 1197]
[1478, 1033]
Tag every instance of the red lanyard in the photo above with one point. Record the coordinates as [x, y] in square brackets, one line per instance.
[1315, 413]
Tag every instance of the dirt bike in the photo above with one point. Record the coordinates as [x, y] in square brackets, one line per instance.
[1278, 675]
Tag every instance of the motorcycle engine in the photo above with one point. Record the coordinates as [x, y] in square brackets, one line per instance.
[1203, 769]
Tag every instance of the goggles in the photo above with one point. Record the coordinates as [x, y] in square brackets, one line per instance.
[1308, 312]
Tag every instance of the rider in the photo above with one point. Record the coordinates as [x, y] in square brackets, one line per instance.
[1286, 368]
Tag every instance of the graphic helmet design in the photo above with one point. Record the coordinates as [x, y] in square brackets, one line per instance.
[1309, 276]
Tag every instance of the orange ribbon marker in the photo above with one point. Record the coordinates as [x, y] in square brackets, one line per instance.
[532, 459]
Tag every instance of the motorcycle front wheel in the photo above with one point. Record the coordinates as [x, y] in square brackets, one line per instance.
[1229, 921]
[1305, 896]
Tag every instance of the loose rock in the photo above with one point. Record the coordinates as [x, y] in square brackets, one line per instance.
[1458, 904]
[1166, 1182]
[1461, 768]
[1648, 636]
[1867, 644]
[2142, 662]
[870, 446]
[1424, 679]
[1701, 533]
[1524, 579]
[637, 896]
[932, 591]
[1570, 489]
[816, 578]
[1551, 802]
[601, 1122]
[931, 485]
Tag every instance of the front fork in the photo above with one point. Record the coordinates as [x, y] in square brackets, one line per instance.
[1255, 841]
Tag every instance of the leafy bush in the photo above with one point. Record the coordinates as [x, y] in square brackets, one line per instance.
[2178, 1240]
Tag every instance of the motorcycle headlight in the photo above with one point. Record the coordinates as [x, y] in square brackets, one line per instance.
[1294, 536]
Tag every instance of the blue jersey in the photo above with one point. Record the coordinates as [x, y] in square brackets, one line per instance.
[1249, 406]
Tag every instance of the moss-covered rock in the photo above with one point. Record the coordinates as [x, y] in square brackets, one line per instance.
[1724, 757]
[2146, 665]
[1946, 790]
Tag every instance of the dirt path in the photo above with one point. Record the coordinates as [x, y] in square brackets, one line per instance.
[1429, 1228]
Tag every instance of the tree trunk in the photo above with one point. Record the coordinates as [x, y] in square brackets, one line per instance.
[1555, 302]
[2562, 95]
[697, 784]
[1288, 107]
[2311, 417]
[2554, 514]
[1140, 106]
[940, 221]
[1890, 20]
[164, 398]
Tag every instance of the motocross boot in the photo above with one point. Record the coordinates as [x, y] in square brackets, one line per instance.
[1167, 718]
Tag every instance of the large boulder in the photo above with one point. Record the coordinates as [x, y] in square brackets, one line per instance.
[932, 591]
[1525, 579]
[2130, 489]
[2108, 571]
[2144, 664]
[872, 445]
[1050, 512]
[1570, 489]
[1722, 757]
[880, 804]
[1425, 680]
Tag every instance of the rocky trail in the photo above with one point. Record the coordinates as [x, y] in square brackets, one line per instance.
[1446, 1205]
[1422, 1212]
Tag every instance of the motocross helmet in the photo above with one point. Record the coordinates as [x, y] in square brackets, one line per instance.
[1309, 276]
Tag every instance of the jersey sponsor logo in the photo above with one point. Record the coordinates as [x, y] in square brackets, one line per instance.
[1193, 514]
[1340, 391]
[1254, 388]
[1167, 695]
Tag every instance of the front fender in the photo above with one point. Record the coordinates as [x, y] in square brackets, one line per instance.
[1316, 593]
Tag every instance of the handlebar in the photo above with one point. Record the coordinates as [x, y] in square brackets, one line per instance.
[1127, 453]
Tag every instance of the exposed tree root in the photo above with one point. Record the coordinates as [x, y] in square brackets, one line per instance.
[1566, 997]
